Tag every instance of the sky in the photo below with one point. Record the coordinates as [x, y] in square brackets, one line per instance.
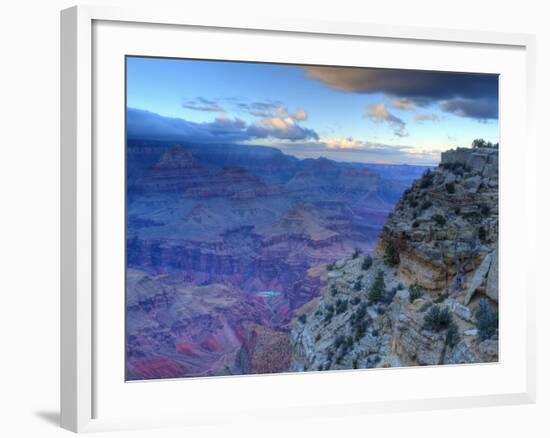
[343, 113]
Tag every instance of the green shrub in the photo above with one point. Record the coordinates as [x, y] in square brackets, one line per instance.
[457, 210]
[391, 255]
[450, 187]
[439, 219]
[357, 286]
[355, 300]
[415, 292]
[378, 287]
[367, 263]
[333, 291]
[302, 318]
[486, 320]
[415, 224]
[437, 319]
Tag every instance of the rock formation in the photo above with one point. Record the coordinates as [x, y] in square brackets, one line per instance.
[428, 294]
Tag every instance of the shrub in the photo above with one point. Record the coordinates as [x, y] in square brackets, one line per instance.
[425, 205]
[356, 253]
[360, 330]
[317, 337]
[360, 314]
[400, 286]
[415, 292]
[367, 263]
[437, 319]
[482, 234]
[450, 187]
[355, 300]
[330, 267]
[391, 255]
[357, 286]
[302, 318]
[413, 203]
[439, 219]
[376, 291]
[375, 333]
[457, 210]
[452, 337]
[440, 298]
[389, 295]
[486, 320]
[485, 210]
[341, 306]
[427, 179]
[415, 224]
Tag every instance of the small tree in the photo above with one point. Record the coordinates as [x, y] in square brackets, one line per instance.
[486, 320]
[415, 292]
[376, 292]
[450, 187]
[367, 263]
[439, 219]
[437, 319]
[356, 253]
[391, 255]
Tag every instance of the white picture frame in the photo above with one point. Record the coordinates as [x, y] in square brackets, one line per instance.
[81, 169]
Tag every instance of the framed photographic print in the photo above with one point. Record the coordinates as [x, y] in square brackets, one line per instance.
[256, 208]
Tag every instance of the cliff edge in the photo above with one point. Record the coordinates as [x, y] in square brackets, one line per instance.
[428, 294]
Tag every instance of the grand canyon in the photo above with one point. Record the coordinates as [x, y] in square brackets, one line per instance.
[295, 217]
[226, 242]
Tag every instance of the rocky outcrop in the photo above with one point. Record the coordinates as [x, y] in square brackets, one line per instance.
[428, 294]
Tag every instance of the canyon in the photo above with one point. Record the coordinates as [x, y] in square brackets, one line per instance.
[227, 245]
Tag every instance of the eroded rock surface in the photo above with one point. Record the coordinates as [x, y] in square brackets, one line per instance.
[437, 301]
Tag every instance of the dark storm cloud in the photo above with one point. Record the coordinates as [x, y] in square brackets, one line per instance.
[481, 109]
[145, 124]
[418, 88]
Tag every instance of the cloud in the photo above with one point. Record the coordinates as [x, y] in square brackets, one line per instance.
[281, 128]
[271, 109]
[379, 113]
[148, 125]
[403, 103]
[481, 109]
[427, 117]
[352, 150]
[202, 104]
[413, 88]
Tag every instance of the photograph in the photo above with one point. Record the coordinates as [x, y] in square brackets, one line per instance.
[283, 218]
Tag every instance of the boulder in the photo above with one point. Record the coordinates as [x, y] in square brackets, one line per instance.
[479, 278]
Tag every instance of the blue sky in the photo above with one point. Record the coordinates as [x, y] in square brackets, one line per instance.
[346, 114]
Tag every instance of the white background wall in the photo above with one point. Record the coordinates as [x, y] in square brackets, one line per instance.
[29, 218]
